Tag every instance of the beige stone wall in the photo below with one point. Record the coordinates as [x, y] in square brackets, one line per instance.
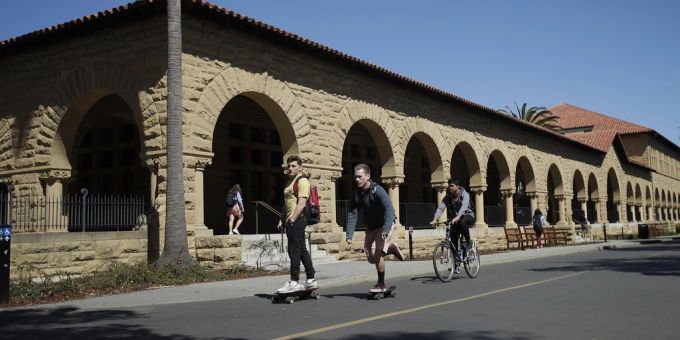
[76, 253]
[313, 101]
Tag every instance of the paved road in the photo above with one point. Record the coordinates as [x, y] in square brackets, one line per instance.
[608, 294]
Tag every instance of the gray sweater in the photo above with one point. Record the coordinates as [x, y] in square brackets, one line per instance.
[377, 208]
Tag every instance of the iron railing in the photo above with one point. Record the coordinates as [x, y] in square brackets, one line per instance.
[523, 215]
[494, 216]
[84, 213]
[417, 215]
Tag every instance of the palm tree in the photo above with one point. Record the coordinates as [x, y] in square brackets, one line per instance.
[176, 248]
[538, 115]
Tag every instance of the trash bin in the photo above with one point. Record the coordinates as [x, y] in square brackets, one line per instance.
[643, 231]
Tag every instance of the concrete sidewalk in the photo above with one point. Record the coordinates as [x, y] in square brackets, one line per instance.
[328, 275]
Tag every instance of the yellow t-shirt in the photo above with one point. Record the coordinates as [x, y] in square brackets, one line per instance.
[289, 197]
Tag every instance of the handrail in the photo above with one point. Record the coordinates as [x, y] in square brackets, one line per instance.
[268, 207]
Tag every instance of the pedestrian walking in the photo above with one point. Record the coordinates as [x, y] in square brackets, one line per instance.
[235, 208]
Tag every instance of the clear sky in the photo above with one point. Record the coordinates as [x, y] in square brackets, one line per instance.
[617, 57]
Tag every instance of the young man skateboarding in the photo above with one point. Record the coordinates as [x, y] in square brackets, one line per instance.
[379, 218]
[295, 223]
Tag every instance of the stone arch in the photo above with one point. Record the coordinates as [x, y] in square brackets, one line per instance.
[377, 121]
[648, 196]
[556, 174]
[273, 95]
[638, 193]
[430, 137]
[630, 194]
[579, 187]
[76, 94]
[527, 172]
[593, 190]
[613, 192]
[465, 152]
[503, 169]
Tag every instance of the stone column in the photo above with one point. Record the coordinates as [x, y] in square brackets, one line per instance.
[584, 206]
[617, 204]
[560, 204]
[54, 192]
[393, 184]
[479, 206]
[598, 209]
[199, 164]
[650, 215]
[509, 208]
[534, 201]
[152, 164]
[642, 212]
[332, 209]
[441, 188]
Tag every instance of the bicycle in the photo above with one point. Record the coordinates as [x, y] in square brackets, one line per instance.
[445, 262]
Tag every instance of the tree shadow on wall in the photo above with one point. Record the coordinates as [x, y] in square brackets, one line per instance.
[70, 323]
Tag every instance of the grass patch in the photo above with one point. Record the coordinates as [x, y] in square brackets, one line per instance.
[115, 277]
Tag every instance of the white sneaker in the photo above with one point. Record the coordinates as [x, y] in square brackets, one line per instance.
[311, 284]
[291, 286]
[236, 232]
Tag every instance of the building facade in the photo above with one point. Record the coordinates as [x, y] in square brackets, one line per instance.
[83, 106]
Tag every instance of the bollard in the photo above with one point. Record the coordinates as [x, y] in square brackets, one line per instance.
[5, 242]
[410, 243]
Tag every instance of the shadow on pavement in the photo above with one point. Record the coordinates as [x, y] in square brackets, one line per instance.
[70, 323]
[445, 335]
[426, 279]
[658, 265]
[354, 295]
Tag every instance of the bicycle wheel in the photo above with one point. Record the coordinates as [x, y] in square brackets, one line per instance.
[443, 261]
[472, 261]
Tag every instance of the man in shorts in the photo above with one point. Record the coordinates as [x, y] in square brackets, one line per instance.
[379, 218]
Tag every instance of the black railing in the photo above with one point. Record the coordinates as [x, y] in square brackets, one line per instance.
[523, 215]
[341, 209]
[494, 216]
[82, 213]
[417, 215]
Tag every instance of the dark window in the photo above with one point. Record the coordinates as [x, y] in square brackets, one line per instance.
[128, 156]
[257, 135]
[371, 153]
[105, 159]
[236, 131]
[126, 132]
[235, 154]
[276, 158]
[87, 140]
[355, 150]
[257, 157]
[85, 161]
[105, 136]
[274, 137]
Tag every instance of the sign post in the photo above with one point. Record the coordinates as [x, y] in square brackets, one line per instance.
[5, 241]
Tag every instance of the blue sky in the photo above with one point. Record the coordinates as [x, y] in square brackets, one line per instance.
[620, 58]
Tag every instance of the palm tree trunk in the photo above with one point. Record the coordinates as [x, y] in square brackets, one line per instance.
[176, 248]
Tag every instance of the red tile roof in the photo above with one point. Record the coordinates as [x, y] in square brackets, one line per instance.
[604, 128]
[222, 15]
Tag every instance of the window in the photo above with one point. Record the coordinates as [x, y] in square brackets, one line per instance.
[274, 138]
[236, 131]
[235, 154]
[257, 135]
[257, 157]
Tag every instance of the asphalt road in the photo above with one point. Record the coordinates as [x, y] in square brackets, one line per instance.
[631, 293]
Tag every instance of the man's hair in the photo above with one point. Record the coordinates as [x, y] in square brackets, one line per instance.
[362, 166]
[294, 158]
[454, 181]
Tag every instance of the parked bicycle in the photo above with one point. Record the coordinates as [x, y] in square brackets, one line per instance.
[446, 258]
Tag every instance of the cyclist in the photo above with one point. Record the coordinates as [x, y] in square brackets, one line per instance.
[458, 211]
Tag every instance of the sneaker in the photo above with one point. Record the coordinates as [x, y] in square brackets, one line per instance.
[456, 271]
[236, 232]
[291, 286]
[394, 250]
[311, 284]
[378, 288]
[231, 233]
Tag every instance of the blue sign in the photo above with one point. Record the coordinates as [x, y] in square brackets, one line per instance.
[5, 231]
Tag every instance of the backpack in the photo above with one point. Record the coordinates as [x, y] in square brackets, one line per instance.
[313, 207]
[231, 200]
[536, 222]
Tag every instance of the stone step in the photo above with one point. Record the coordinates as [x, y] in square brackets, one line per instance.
[276, 256]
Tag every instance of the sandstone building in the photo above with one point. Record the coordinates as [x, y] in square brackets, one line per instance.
[83, 107]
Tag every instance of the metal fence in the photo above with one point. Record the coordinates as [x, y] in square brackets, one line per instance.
[495, 216]
[417, 215]
[74, 213]
[523, 215]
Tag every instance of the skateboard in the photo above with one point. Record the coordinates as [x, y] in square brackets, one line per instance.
[387, 293]
[289, 298]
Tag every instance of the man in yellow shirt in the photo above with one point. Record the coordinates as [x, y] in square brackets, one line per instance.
[295, 214]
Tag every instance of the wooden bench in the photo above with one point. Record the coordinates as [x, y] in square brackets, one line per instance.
[655, 231]
[529, 235]
[512, 236]
[554, 237]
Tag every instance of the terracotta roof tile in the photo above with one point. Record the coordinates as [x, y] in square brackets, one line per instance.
[604, 128]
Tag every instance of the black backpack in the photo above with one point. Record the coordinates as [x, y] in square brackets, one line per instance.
[231, 200]
[536, 222]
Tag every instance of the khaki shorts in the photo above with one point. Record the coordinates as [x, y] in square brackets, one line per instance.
[375, 241]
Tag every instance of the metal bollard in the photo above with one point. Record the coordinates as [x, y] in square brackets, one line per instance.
[410, 243]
